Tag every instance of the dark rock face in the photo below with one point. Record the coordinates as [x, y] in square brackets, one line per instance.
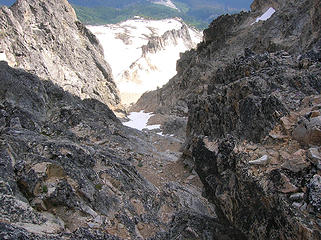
[253, 100]
[46, 38]
[248, 97]
[253, 203]
[253, 132]
[256, 112]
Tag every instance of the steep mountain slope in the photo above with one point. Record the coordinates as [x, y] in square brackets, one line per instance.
[68, 168]
[46, 38]
[260, 160]
[251, 92]
[151, 47]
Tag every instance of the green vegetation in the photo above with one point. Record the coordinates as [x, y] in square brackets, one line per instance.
[140, 164]
[98, 186]
[107, 15]
[44, 189]
[197, 13]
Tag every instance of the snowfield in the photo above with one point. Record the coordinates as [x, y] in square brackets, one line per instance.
[135, 72]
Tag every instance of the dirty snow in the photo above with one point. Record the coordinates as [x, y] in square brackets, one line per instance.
[266, 15]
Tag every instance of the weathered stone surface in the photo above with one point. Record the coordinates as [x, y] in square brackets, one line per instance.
[314, 155]
[46, 38]
[296, 162]
[256, 204]
[260, 161]
[308, 131]
[249, 86]
[297, 196]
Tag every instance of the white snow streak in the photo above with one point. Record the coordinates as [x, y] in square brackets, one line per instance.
[139, 121]
[266, 15]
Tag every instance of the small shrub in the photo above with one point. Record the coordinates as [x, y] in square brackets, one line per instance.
[44, 189]
[98, 186]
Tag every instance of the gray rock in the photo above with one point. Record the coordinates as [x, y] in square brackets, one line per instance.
[15, 123]
[57, 47]
[297, 196]
[314, 155]
[297, 204]
[315, 192]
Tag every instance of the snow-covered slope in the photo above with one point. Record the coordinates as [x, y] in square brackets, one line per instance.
[143, 53]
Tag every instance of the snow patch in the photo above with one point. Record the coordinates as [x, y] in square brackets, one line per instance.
[265, 15]
[3, 57]
[138, 120]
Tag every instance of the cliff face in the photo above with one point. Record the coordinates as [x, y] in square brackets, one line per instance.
[251, 91]
[259, 159]
[171, 37]
[46, 38]
[253, 135]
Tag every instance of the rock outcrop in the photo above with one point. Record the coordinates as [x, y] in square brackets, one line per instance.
[251, 91]
[46, 38]
[259, 159]
[69, 168]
